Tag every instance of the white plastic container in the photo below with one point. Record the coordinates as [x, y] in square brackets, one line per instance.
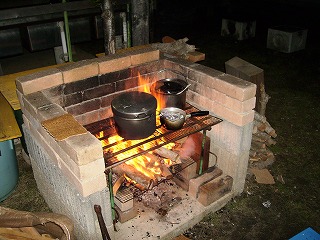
[287, 39]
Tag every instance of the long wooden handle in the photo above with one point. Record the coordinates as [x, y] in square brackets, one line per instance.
[103, 228]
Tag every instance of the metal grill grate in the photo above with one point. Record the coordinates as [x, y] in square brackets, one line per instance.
[126, 194]
[159, 138]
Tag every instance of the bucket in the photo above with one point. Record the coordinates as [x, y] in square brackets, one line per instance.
[9, 173]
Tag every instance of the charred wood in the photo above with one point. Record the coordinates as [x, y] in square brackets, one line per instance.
[166, 153]
[137, 176]
[262, 137]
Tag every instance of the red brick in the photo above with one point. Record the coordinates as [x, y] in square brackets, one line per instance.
[242, 69]
[79, 70]
[39, 81]
[125, 216]
[239, 119]
[232, 86]
[236, 87]
[196, 183]
[83, 172]
[32, 102]
[126, 205]
[88, 117]
[223, 99]
[144, 56]
[215, 189]
[82, 148]
[88, 186]
[188, 172]
[50, 111]
[113, 63]
[249, 72]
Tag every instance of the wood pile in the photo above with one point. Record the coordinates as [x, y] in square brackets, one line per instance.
[23, 225]
[263, 136]
[24, 233]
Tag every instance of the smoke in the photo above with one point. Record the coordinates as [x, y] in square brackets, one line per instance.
[188, 148]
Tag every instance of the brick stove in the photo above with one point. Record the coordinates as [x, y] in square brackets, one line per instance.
[70, 171]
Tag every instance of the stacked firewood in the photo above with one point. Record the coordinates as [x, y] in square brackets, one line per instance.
[263, 136]
[24, 233]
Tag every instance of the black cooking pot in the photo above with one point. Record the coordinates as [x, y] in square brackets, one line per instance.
[134, 114]
[170, 92]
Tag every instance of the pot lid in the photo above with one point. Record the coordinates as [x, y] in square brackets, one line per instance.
[134, 105]
[169, 86]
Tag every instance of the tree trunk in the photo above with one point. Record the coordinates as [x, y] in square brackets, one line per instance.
[140, 22]
[108, 27]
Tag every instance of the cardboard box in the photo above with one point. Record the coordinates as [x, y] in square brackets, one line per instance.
[286, 39]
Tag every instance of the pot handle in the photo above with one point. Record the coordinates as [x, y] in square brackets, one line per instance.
[199, 113]
[183, 89]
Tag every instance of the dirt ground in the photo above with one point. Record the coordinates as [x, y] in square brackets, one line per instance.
[292, 81]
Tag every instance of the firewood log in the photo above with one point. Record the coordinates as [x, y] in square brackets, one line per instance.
[257, 146]
[270, 130]
[261, 126]
[30, 230]
[261, 136]
[254, 159]
[256, 138]
[166, 153]
[118, 184]
[264, 98]
[259, 117]
[152, 159]
[271, 142]
[254, 129]
[165, 171]
[134, 174]
[252, 153]
[15, 233]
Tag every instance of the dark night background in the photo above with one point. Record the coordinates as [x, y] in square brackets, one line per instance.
[204, 16]
[197, 18]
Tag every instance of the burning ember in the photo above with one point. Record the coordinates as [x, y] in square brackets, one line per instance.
[144, 86]
[149, 161]
[150, 164]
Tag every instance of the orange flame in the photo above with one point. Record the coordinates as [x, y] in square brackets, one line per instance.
[145, 86]
[146, 164]
[143, 163]
[144, 83]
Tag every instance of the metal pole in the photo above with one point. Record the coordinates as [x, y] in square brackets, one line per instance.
[111, 198]
[202, 151]
[66, 26]
[128, 27]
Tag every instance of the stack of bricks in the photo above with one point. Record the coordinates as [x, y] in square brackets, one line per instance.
[124, 206]
[70, 172]
[242, 69]
[207, 187]
[76, 89]
[210, 186]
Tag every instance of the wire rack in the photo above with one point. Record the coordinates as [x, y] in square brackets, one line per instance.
[105, 129]
[161, 136]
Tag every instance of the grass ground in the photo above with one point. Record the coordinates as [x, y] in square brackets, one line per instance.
[292, 81]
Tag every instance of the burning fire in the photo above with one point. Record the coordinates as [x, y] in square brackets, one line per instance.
[148, 164]
[144, 86]
[144, 83]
